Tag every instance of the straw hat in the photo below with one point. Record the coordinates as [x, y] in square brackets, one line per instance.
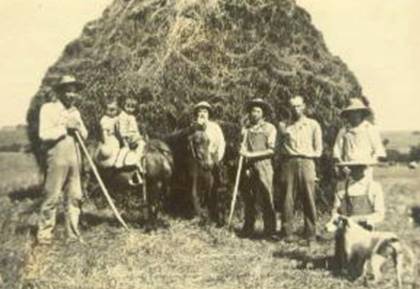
[356, 104]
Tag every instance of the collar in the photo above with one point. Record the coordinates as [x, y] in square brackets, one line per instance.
[258, 126]
[304, 120]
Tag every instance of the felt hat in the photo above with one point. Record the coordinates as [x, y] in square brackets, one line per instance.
[259, 102]
[203, 104]
[69, 80]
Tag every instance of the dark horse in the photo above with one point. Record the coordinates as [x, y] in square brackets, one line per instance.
[197, 166]
[152, 194]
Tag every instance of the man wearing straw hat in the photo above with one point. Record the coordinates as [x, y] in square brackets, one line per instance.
[58, 122]
[257, 178]
[358, 139]
[301, 145]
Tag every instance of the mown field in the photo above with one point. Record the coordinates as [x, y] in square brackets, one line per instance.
[182, 255]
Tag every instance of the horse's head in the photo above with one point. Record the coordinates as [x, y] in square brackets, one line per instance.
[199, 144]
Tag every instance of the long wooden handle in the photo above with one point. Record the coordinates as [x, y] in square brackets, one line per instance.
[101, 183]
[235, 190]
[237, 180]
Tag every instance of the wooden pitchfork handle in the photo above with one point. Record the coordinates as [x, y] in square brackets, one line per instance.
[101, 183]
[237, 180]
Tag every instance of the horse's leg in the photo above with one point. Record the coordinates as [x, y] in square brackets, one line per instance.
[212, 198]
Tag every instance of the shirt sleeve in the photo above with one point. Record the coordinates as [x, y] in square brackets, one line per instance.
[221, 144]
[133, 127]
[338, 145]
[272, 136]
[50, 127]
[317, 140]
[378, 147]
[83, 131]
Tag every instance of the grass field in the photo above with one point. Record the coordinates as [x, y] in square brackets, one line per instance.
[182, 255]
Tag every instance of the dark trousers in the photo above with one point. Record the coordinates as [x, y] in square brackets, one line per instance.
[298, 183]
[257, 187]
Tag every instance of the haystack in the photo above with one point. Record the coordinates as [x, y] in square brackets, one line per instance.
[172, 53]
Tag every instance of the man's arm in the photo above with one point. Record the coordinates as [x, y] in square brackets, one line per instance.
[378, 147]
[75, 123]
[50, 127]
[338, 145]
[317, 140]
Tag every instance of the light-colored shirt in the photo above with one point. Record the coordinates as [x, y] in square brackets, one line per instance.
[302, 138]
[375, 196]
[108, 127]
[217, 139]
[127, 127]
[53, 120]
[361, 143]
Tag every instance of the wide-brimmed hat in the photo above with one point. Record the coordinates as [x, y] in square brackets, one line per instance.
[259, 102]
[69, 80]
[356, 104]
[203, 104]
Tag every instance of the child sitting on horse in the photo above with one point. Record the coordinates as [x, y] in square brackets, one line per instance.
[109, 148]
[131, 141]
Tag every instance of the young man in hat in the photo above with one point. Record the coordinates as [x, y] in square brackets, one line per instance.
[358, 139]
[257, 179]
[301, 144]
[59, 120]
[362, 198]
[217, 146]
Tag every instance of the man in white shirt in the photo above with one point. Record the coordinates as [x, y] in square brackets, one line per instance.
[202, 112]
[59, 120]
[301, 145]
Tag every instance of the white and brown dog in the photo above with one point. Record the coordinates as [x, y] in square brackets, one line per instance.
[357, 250]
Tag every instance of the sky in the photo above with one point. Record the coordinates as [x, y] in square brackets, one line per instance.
[378, 39]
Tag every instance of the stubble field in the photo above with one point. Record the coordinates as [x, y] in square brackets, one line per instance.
[182, 255]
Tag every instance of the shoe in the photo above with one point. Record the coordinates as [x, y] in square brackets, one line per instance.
[271, 237]
[79, 240]
[290, 238]
[246, 232]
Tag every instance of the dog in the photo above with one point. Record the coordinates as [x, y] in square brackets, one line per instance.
[357, 249]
